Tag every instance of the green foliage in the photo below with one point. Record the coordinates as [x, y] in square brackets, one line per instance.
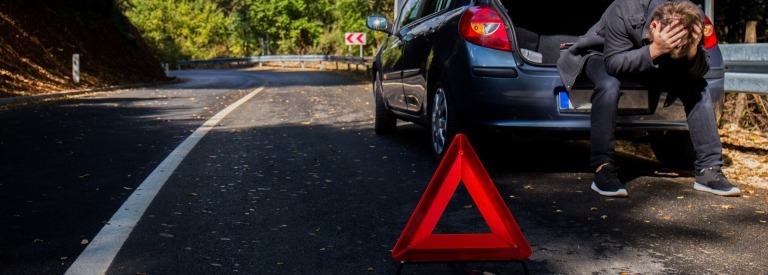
[199, 29]
[177, 30]
[289, 26]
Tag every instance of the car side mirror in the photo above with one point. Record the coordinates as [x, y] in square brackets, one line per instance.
[379, 23]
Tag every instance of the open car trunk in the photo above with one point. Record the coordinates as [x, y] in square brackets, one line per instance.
[540, 26]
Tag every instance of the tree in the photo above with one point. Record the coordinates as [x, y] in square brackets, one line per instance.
[731, 17]
[177, 30]
[351, 16]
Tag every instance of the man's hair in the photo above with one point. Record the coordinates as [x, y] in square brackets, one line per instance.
[688, 16]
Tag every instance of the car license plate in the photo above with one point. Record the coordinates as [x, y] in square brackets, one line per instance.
[579, 101]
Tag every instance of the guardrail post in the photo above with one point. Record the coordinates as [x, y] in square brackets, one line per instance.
[76, 68]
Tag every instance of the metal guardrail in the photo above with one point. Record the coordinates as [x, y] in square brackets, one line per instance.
[746, 67]
[356, 60]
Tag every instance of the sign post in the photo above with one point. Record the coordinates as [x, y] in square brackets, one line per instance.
[355, 38]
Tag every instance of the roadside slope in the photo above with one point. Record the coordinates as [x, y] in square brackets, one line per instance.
[39, 38]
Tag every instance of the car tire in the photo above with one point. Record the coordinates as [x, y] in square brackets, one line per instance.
[384, 122]
[674, 149]
[443, 126]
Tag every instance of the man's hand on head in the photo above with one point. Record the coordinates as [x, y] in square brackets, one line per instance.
[667, 38]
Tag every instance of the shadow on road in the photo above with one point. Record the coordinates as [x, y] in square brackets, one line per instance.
[663, 227]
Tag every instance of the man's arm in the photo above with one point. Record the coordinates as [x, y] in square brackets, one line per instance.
[622, 55]
[698, 56]
[700, 62]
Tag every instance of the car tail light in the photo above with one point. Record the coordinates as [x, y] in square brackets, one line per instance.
[483, 26]
[710, 38]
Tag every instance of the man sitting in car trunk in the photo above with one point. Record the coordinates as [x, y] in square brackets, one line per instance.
[656, 43]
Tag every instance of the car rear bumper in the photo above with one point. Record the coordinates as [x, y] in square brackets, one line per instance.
[503, 95]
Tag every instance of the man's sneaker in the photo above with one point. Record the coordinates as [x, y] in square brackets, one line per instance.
[606, 182]
[713, 181]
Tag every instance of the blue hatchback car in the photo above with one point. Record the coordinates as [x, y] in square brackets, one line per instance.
[489, 65]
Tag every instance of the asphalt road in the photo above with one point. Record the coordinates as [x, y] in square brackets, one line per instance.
[294, 181]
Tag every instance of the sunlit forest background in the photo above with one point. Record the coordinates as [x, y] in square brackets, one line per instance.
[204, 29]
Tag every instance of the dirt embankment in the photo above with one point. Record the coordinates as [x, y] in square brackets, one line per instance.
[39, 38]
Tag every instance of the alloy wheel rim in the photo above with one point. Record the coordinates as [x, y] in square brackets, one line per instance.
[439, 121]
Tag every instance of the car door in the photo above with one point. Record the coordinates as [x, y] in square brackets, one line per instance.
[418, 37]
[392, 73]
[392, 62]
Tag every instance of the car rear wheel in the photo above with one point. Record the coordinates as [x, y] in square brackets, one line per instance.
[384, 122]
[674, 149]
[444, 125]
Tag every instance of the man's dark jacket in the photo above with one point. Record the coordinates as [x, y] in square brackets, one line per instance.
[621, 35]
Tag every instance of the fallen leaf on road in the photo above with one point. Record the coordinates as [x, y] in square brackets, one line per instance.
[84, 241]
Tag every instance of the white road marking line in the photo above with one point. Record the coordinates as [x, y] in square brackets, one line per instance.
[101, 251]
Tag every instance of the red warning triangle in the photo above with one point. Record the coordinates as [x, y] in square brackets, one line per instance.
[505, 242]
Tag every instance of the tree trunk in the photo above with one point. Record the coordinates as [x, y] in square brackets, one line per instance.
[750, 35]
[738, 110]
